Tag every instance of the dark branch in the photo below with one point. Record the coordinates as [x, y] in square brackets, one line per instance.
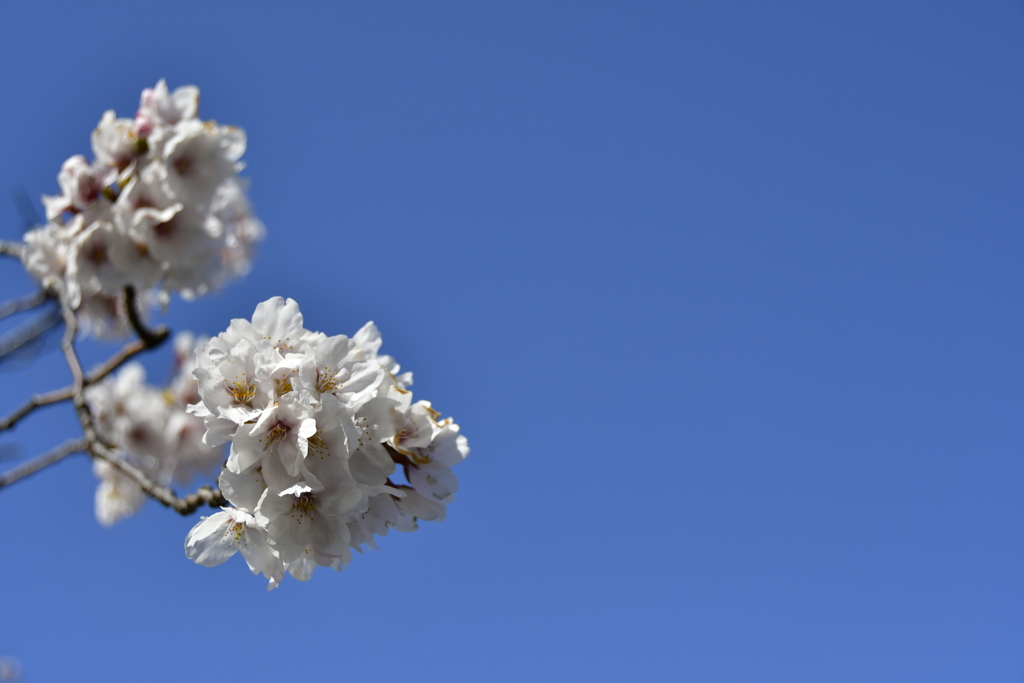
[152, 338]
[45, 460]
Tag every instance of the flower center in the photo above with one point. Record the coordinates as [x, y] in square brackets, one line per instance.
[305, 503]
[317, 447]
[276, 433]
[327, 380]
[242, 392]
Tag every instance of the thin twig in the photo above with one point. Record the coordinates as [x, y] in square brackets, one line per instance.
[15, 249]
[152, 338]
[12, 306]
[205, 495]
[52, 457]
[91, 441]
[114, 362]
[37, 401]
[67, 393]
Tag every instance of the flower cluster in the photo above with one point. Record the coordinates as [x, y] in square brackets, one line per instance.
[152, 429]
[160, 208]
[317, 427]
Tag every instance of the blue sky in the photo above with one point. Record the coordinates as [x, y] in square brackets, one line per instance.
[726, 296]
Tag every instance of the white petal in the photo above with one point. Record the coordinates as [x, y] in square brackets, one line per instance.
[214, 539]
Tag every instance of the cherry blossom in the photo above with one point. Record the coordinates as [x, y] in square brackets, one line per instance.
[321, 448]
[160, 208]
[317, 427]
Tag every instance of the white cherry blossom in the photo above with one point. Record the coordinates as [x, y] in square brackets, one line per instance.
[317, 427]
[160, 208]
[217, 537]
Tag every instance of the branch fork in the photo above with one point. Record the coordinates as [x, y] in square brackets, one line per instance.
[90, 442]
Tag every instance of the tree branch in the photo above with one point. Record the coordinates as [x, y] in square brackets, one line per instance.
[66, 393]
[25, 303]
[152, 338]
[95, 446]
[50, 458]
[15, 249]
[205, 495]
[91, 442]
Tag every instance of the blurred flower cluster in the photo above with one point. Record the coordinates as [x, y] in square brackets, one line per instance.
[160, 208]
[151, 429]
[318, 427]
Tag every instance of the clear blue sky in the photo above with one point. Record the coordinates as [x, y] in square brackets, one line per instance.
[726, 296]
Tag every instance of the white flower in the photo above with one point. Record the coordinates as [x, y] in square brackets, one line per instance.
[198, 158]
[117, 496]
[81, 186]
[282, 431]
[45, 257]
[114, 142]
[160, 208]
[161, 107]
[243, 489]
[317, 426]
[277, 321]
[226, 377]
[299, 517]
[92, 266]
[219, 536]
